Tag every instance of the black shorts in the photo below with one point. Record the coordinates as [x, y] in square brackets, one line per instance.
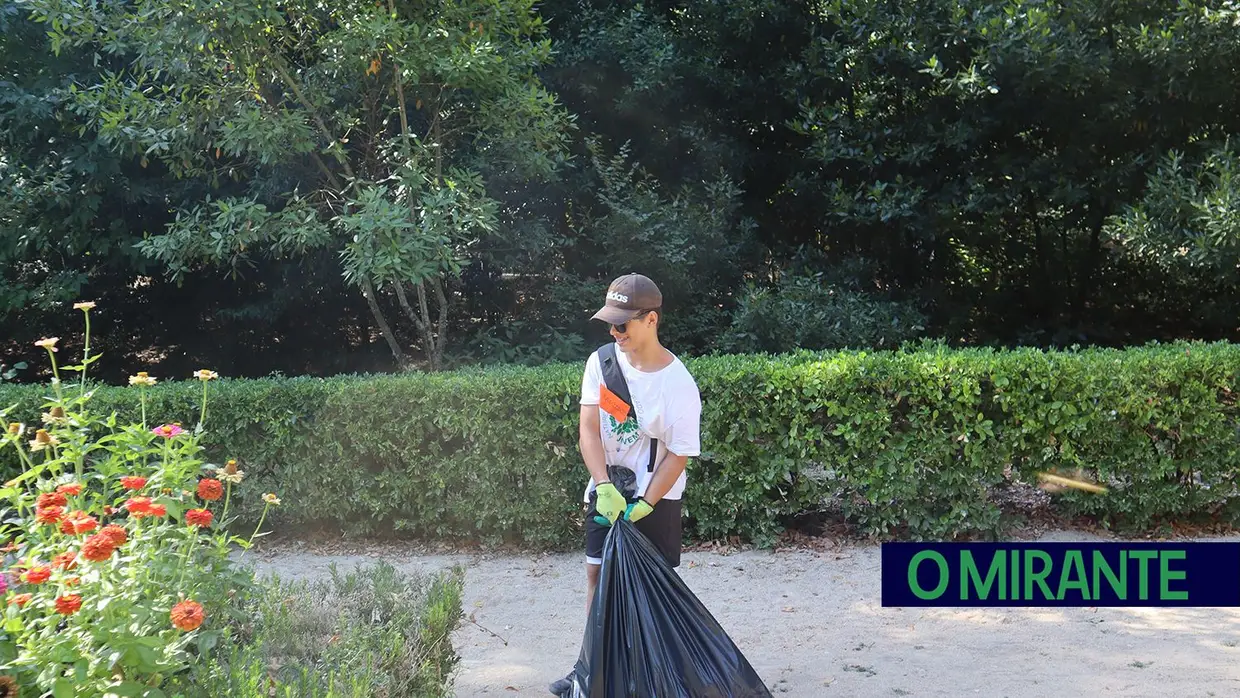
[661, 526]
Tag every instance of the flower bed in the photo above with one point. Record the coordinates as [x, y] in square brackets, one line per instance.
[117, 572]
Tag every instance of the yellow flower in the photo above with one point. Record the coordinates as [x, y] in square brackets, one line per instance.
[85, 305]
[55, 416]
[271, 499]
[48, 343]
[141, 379]
[234, 477]
[42, 440]
[203, 374]
[17, 428]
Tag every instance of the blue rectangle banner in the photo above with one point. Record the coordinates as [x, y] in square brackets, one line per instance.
[1061, 574]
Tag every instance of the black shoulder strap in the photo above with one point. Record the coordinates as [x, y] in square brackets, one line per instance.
[614, 378]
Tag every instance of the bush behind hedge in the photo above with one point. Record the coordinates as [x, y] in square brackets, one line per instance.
[907, 442]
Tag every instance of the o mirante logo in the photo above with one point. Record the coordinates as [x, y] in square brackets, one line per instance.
[1061, 574]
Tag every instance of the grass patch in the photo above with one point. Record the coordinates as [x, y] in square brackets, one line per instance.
[375, 632]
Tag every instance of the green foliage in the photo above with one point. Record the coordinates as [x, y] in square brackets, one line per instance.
[372, 632]
[358, 128]
[908, 442]
[810, 312]
[1188, 220]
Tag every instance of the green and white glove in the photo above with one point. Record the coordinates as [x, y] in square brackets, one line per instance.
[638, 510]
[633, 513]
[610, 503]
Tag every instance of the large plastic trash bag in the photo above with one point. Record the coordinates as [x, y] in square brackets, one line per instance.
[648, 636]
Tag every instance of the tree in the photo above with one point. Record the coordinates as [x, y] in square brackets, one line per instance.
[355, 126]
[979, 148]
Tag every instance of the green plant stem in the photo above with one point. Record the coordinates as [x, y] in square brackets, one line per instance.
[181, 568]
[142, 399]
[85, 353]
[227, 496]
[256, 529]
[55, 375]
[27, 463]
[202, 418]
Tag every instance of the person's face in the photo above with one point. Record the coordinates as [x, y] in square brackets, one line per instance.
[636, 332]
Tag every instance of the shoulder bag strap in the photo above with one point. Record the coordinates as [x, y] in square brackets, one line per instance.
[614, 378]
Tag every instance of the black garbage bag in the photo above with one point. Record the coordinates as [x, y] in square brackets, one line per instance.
[648, 636]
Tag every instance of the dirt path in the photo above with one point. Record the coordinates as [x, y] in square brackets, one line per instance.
[812, 625]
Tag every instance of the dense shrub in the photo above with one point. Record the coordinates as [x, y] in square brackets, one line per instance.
[908, 442]
[804, 311]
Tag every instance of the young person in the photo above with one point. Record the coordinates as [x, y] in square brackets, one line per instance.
[636, 462]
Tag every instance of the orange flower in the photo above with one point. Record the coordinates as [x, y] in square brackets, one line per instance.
[72, 489]
[187, 615]
[68, 604]
[49, 515]
[51, 499]
[210, 489]
[81, 522]
[65, 561]
[37, 575]
[108, 510]
[73, 581]
[115, 533]
[133, 482]
[159, 510]
[139, 506]
[20, 599]
[66, 527]
[98, 548]
[198, 517]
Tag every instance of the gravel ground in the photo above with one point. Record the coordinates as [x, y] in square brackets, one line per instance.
[811, 623]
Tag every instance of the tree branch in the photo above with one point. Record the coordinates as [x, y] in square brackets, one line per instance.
[368, 290]
[282, 70]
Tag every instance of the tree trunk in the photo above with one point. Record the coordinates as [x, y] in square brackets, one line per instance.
[1089, 266]
[368, 290]
[433, 346]
[442, 298]
[422, 322]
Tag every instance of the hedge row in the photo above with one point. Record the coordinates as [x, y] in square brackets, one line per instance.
[909, 443]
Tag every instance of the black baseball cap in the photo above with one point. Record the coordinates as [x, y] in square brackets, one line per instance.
[627, 297]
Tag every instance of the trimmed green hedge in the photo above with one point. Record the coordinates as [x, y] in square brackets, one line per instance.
[909, 443]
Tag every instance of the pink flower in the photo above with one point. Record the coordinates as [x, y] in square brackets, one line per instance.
[168, 430]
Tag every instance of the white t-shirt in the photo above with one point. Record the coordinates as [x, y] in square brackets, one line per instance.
[669, 408]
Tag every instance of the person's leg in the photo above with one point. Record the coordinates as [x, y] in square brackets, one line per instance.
[592, 574]
[596, 535]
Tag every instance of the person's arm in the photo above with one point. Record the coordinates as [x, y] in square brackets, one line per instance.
[665, 476]
[682, 437]
[590, 443]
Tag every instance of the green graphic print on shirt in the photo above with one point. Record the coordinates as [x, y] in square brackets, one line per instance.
[625, 433]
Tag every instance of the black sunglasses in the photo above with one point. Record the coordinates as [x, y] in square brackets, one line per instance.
[622, 327]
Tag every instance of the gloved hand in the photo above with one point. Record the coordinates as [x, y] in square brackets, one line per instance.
[634, 512]
[610, 503]
[637, 510]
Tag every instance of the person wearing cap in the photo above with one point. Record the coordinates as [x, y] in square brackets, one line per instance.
[643, 453]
